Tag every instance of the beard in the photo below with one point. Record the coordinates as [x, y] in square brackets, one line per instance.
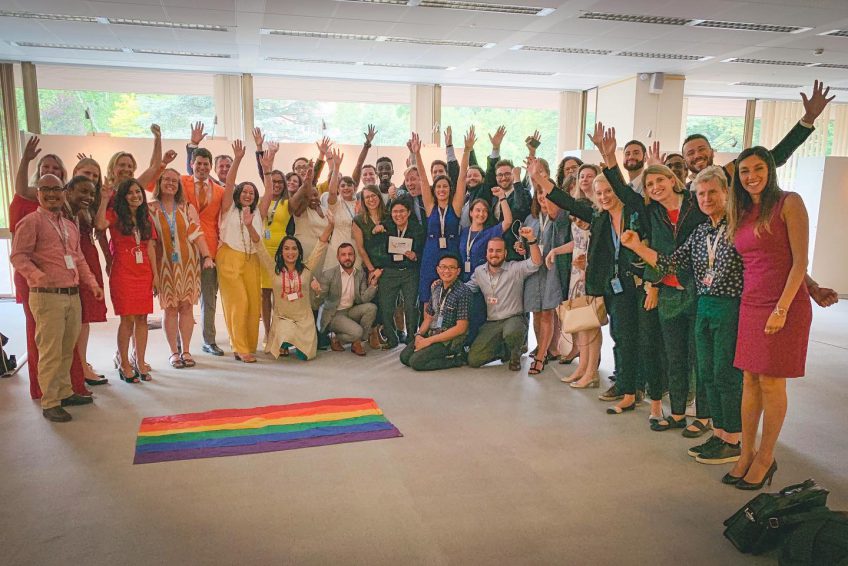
[497, 262]
[633, 165]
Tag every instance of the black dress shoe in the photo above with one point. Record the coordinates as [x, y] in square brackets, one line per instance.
[213, 349]
[76, 400]
[56, 414]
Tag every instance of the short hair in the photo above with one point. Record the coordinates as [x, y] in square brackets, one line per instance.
[451, 255]
[404, 201]
[368, 166]
[345, 245]
[77, 180]
[670, 155]
[221, 157]
[503, 163]
[438, 162]
[694, 137]
[636, 142]
[237, 195]
[497, 239]
[201, 152]
[409, 170]
[347, 180]
[383, 160]
[477, 168]
[294, 163]
[711, 173]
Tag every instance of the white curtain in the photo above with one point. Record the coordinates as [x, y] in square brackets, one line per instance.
[839, 113]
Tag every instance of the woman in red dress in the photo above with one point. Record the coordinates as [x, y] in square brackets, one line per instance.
[25, 202]
[93, 309]
[133, 279]
[770, 230]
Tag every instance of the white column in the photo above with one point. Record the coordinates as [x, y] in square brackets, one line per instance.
[426, 112]
[247, 105]
[228, 106]
[570, 122]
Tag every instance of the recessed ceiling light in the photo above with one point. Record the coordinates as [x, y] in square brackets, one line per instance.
[172, 25]
[672, 21]
[836, 33]
[66, 46]
[751, 61]
[461, 5]
[317, 34]
[311, 61]
[116, 21]
[43, 16]
[183, 53]
[405, 66]
[766, 85]
[744, 26]
[516, 72]
[570, 50]
[445, 42]
[646, 55]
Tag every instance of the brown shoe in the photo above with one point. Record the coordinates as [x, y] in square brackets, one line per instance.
[374, 339]
[56, 414]
[335, 345]
[357, 348]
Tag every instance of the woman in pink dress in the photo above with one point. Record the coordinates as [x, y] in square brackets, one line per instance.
[770, 230]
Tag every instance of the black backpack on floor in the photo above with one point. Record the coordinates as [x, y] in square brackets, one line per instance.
[8, 364]
[820, 540]
[764, 521]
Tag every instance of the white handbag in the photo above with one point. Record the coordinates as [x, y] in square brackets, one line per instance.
[582, 313]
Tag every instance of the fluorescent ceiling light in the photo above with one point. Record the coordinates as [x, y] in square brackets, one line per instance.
[172, 25]
[67, 46]
[446, 42]
[461, 5]
[836, 32]
[516, 72]
[405, 66]
[183, 53]
[766, 62]
[116, 21]
[646, 55]
[43, 16]
[311, 61]
[672, 21]
[766, 85]
[379, 38]
[571, 50]
[744, 26]
[317, 34]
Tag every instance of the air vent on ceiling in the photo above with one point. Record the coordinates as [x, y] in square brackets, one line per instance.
[42, 16]
[765, 85]
[831, 66]
[172, 25]
[448, 42]
[572, 50]
[742, 26]
[460, 5]
[839, 88]
[767, 62]
[183, 53]
[516, 72]
[406, 66]
[836, 33]
[675, 56]
[607, 17]
[317, 34]
[68, 46]
[319, 61]
[671, 21]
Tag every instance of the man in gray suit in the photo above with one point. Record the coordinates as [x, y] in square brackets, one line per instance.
[347, 310]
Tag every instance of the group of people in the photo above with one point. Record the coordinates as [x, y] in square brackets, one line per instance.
[700, 269]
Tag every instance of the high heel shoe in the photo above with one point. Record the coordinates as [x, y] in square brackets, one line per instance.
[742, 484]
[594, 384]
[129, 379]
[729, 479]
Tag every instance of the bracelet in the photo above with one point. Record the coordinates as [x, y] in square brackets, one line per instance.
[533, 243]
[367, 145]
[266, 172]
[501, 199]
[779, 311]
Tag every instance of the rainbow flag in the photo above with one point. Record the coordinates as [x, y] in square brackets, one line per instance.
[231, 432]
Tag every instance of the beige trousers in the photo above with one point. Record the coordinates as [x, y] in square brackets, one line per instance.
[57, 327]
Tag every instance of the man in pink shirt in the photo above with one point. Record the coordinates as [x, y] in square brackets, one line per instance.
[46, 253]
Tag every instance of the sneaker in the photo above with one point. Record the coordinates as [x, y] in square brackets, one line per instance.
[696, 451]
[611, 394]
[720, 453]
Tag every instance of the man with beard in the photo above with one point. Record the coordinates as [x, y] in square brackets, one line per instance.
[634, 164]
[46, 253]
[347, 310]
[699, 154]
[502, 284]
[222, 163]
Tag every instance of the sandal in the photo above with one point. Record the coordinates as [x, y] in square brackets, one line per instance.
[175, 361]
[618, 410]
[567, 360]
[129, 379]
[188, 361]
[700, 428]
[670, 422]
[535, 368]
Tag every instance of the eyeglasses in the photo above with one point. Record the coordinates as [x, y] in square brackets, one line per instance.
[446, 267]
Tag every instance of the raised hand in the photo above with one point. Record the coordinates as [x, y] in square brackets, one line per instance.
[534, 168]
[655, 157]
[497, 191]
[310, 174]
[197, 134]
[610, 143]
[516, 174]
[268, 156]
[324, 146]
[526, 232]
[531, 146]
[470, 139]
[238, 149]
[370, 134]
[448, 137]
[258, 139]
[630, 239]
[414, 144]
[157, 131]
[31, 150]
[498, 137]
[169, 156]
[81, 156]
[814, 106]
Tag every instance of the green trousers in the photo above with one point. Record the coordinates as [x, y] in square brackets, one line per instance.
[496, 339]
[715, 347]
[441, 355]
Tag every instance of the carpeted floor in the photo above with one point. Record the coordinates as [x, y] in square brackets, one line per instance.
[495, 467]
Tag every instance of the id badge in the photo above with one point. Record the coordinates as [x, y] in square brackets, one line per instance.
[175, 257]
[292, 297]
[397, 257]
[467, 267]
[439, 321]
[139, 258]
[69, 262]
[492, 300]
[709, 276]
[615, 283]
[443, 243]
[267, 234]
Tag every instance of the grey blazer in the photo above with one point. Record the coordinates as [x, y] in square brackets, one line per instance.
[331, 293]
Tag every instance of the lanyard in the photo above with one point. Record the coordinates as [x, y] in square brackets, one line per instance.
[616, 241]
[442, 216]
[246, 244]
[493, 281]
[274, 211]
[137, 236]
[172, 224]
[544, 220]
[713, 247]
[443, 301]
[61, 230]
[401, 234]
[470, 242]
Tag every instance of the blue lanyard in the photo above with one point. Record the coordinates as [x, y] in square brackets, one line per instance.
[172, 223]
[616, 241]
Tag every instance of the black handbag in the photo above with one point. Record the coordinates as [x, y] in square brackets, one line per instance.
[820, 540]
[761, 523]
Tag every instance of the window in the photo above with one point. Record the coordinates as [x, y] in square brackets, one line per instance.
[721, 120]
[591, 117]
[344, 122]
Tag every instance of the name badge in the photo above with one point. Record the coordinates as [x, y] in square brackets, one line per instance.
[439, 321]
[443, 243]
[467, 267]
[293, 296]
[267, 234]
[492, 300]
[69, 262]
[615, 283]
[709, 276]
[139, 258]
[397, 257]
[175, 257]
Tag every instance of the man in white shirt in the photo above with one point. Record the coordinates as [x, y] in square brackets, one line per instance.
[634, 164]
